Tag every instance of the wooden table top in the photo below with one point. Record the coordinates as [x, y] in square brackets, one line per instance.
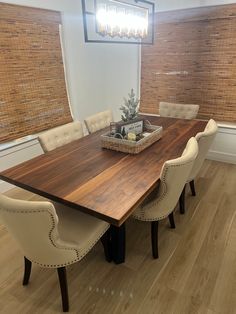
[104, 183]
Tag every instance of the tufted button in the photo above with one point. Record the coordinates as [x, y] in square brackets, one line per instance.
[61, 135]
[99, 121]
[178, 110]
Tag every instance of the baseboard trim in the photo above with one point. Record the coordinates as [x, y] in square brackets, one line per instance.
[223, 157]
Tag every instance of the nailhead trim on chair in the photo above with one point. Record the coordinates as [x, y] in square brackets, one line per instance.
[79, 257]
[50, 232]
[73, 261]
[145, 208]
[206, 133]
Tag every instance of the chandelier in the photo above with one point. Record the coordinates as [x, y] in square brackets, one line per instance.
[115, 21]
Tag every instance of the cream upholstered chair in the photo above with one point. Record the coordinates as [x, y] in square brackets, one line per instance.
[98, 121]
[52, 238]
[172, 180]
[180, 111]
[205, 140]
[61, 135]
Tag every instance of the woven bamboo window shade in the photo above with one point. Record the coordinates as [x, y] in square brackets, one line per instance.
[33, 94]
[193, 61]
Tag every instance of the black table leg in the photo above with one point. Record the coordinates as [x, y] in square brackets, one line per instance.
[118, 243]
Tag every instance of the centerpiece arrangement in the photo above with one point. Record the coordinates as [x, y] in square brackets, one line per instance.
[133, 133]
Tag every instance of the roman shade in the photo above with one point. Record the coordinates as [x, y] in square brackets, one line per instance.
[33, 94]
[192, 61]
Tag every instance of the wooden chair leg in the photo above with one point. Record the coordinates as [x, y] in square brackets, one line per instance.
[182, 201]
[106, 242]
[172, 221]
[192, 187]
[154, 233]
[64, 288]
[27, 271]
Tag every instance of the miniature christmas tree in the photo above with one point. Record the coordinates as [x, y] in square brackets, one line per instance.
[130, 108]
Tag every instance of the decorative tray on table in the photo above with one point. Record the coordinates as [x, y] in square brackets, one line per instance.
[132, 137]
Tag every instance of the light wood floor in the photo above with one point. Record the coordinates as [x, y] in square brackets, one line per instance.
[196, 271]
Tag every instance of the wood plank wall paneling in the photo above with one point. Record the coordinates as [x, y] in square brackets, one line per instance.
[33, 94]
[193, 61]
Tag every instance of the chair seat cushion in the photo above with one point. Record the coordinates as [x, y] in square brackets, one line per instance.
[81, 229]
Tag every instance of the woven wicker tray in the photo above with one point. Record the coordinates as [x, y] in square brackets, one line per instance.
[131, 147]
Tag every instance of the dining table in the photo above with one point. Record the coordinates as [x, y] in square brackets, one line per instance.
[104, 183]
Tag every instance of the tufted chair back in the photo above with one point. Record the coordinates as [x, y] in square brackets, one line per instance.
[99, 121]
[34, 227]
[205, 140]
[61, 135]
[173, 178]
[179, 111]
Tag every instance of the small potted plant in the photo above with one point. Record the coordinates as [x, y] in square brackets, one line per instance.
[130, 108]
[131, 125]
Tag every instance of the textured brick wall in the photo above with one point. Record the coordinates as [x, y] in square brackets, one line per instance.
[32, 85]
[193, 60]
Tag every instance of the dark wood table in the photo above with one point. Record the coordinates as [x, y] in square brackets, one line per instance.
[106, 184]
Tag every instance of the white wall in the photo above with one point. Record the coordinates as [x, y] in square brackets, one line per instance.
[224, 146]
[13, 156]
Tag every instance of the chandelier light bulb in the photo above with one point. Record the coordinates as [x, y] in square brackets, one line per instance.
[112, 20]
